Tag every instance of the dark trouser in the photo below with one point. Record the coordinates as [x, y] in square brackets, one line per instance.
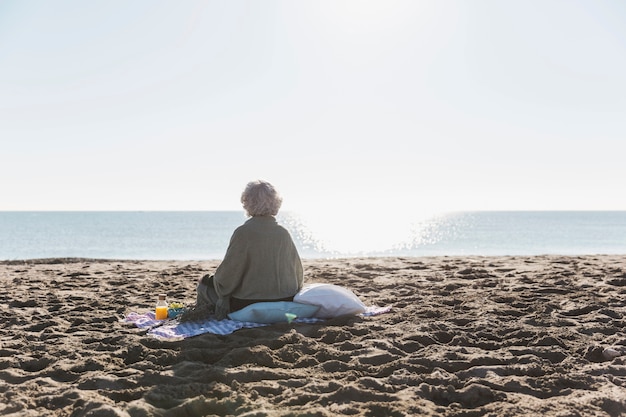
[206, 295]
[239, 303]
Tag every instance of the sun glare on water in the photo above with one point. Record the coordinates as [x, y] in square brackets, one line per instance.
[362, 233]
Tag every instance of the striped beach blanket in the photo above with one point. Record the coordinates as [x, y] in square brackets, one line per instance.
[171, 330]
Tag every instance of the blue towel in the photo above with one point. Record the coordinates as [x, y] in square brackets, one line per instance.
[173, 330]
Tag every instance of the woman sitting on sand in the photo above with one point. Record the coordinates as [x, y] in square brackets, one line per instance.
[261, 262]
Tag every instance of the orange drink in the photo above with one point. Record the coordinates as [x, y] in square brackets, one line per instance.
[161, 313]
[161, 308]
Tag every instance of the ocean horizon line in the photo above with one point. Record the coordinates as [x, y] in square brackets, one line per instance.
[205, 234]
[204, 210]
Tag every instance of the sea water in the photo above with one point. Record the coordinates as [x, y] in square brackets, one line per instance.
[205, 235]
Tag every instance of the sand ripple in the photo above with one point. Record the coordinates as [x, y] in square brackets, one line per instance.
[467, 337]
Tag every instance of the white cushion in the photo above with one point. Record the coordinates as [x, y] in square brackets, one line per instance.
[273, 312]
[332, 300]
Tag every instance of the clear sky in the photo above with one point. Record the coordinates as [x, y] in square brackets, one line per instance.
[365, 105]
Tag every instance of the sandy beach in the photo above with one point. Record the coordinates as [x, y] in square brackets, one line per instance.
[479, 336]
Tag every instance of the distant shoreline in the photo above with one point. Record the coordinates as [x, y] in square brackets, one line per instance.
[76, 260]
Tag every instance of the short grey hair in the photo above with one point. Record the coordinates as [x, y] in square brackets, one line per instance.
[260, 198]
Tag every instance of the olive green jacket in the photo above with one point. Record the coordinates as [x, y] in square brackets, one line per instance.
[261, 263]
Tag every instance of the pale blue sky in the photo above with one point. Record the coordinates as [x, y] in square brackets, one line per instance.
[364, 105]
